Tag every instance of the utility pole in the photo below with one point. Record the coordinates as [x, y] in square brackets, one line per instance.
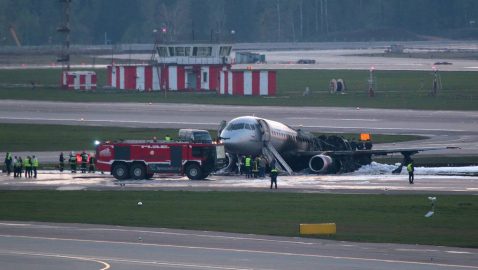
[65, 30]
[278, 21]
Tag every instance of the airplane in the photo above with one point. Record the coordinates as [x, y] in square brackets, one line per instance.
[296, 149]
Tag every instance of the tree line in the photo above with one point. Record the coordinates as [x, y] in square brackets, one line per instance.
[135, 21]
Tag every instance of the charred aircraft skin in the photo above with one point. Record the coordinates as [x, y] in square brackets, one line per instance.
[301, 150]
[248, 135]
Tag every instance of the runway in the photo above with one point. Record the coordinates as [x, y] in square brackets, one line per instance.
[446, 128]
[81, 246]
[430, 181]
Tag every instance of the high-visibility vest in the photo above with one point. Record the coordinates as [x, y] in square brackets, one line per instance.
[410, 167]
[35, 162]
[167, 138]
[73, 159]
[9, 156]
[248, 162]
[26, 163]
[273, 170]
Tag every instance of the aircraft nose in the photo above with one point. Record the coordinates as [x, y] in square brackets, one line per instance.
[240, 142]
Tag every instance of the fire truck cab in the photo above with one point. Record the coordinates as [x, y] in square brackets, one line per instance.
[142, 159]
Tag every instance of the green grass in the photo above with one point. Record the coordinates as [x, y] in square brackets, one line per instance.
[395, 89]
[35, 137]
[370, 218]
[26, 137]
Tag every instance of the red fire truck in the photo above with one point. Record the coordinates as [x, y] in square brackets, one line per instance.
[142, 159]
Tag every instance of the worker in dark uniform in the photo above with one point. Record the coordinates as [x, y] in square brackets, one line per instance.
[72, 161]
[273, 175]
[20, 167]
[62, 162]
[91, 168]
[255, 167]
[35, 164]
[84, 161]
[15, 166]
[8, 163]
[410, 169]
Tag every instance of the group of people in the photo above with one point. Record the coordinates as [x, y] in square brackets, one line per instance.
[252, 167]
[85, 161]
[18, 166]
[256, 167]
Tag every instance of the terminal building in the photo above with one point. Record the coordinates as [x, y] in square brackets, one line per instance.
[192, 67]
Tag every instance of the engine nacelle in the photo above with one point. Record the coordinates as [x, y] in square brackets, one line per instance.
[320, 163]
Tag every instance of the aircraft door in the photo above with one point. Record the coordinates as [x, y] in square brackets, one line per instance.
[265, 130]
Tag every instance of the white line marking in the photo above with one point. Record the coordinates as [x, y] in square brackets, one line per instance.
[105, 265]
[103, 120]
[159, 232]
[243, 251]
[458, 252]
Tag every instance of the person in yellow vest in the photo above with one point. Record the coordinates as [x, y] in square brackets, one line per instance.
[247, 166]
[35, 166]
[28, 167]
[167, 138]
[411, 169]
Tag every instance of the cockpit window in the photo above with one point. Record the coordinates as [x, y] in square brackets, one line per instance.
[236, 126]
[248, 126]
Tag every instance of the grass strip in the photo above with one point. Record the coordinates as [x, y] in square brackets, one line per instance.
[395, 89]
[368, 218]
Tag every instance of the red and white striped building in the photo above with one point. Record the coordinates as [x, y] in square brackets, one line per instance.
[79, 80]
[193, 67]
[248, 83]
[167, 76]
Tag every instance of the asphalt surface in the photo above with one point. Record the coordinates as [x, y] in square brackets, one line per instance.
[80, 246]
[446, 128]
[358, 182]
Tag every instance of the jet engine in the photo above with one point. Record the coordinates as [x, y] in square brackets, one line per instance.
[320, 163]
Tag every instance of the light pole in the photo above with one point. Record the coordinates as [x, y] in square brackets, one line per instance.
[371, 82]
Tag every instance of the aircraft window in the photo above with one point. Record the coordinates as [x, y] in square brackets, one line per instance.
[235, 126]
[248, 126]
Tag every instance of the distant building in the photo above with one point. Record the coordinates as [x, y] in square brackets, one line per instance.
[193, 67]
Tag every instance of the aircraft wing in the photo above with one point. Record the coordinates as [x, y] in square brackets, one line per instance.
[376, 152]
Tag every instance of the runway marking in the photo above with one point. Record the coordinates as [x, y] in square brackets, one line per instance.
[161, 232]
[243, 251]
[201, 235]
[175, 264]
[106, 266]
[206, 123]
[103, 120]
[458, 252]
[335, 119]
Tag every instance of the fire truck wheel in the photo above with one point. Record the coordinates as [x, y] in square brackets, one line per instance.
[120, 171]
[138, 171]
[194, 172]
